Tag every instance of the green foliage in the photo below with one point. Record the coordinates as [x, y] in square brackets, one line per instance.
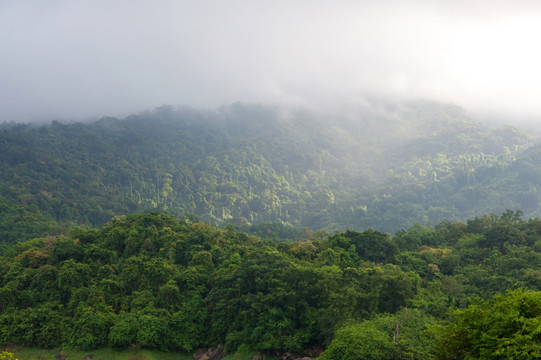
[124, 331]
[359, 342]
[169, 282]
[6, 355]
[400, 336]
[246, 165]
[507, 327]
[369, 245]
[150, 281]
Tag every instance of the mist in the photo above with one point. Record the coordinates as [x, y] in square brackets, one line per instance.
[78, 60]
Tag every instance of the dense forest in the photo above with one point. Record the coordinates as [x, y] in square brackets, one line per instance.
[365, 234]
[452, 291]
[383, 166]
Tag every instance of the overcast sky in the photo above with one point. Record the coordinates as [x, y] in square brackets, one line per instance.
[73, 60]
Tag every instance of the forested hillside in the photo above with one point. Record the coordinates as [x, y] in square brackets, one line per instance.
[86, 261]
[152, 281]
[384, 166]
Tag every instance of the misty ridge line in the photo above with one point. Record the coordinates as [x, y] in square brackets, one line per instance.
[368, 109]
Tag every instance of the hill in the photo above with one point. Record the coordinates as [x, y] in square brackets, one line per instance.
[381, 165]
[154, 282]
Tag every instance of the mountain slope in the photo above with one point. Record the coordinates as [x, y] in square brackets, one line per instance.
[385, 166]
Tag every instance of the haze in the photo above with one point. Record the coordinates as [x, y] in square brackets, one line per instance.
[73, 60]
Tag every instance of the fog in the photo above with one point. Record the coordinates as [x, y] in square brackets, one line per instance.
[75, 60]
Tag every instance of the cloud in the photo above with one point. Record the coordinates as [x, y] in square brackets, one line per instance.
[73, 60]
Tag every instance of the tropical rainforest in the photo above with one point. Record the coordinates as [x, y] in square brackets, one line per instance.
[388, 231]
[386, 166]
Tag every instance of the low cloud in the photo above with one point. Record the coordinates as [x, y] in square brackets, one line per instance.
[75, 60]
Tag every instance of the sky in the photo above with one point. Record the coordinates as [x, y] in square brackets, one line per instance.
[77, 60]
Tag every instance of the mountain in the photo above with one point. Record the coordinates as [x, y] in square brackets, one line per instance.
[378, 165]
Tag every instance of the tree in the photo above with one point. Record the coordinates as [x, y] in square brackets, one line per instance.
[90, 328]
[6, 355]
[401, 336]
[508, 327]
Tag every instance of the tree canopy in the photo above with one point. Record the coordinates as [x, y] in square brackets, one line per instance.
[388, 167]
[152, 281]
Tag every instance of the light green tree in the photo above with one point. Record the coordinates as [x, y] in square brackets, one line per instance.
[6, 355]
